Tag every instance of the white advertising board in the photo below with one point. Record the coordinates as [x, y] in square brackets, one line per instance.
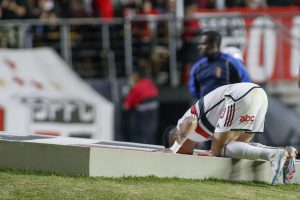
[40, 94]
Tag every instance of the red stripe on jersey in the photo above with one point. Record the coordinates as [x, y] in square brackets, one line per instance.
[233, 112]
[199, 130]
[202, 132]
[230, 115]
[227, 116]
[194, 110]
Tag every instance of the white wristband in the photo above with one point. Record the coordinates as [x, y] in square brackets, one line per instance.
[176, 146]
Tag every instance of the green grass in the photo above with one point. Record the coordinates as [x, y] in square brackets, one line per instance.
[36, 185]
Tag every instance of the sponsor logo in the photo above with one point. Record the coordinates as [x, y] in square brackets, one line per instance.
[247, 118]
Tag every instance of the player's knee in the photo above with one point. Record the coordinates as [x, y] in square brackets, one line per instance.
[216, 146]
[216, 151]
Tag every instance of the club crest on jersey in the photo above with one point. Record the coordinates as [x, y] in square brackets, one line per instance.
[247, 118]
[218, 72]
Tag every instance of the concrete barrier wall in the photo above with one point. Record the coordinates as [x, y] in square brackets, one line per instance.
[73, 156]
[117, 163]
[45, 157]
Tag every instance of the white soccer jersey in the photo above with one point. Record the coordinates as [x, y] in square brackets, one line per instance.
[240, 106]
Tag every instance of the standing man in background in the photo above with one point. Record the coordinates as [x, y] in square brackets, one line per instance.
[142, 107]
[214, 69]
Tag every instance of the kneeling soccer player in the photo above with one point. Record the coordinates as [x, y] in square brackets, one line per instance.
[229, 116]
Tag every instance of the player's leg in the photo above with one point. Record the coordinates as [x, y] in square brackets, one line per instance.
[267, 153]
[245, 137]
[243, 150]
[220, 139]
[235, 144]
[262, 145]
[249, 115]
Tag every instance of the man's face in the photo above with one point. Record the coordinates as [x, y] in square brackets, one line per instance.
[206, 47]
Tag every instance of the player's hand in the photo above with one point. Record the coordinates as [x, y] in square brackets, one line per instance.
[205, 153]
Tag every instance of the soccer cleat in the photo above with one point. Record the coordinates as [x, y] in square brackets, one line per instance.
[277, 164]
[289, 170]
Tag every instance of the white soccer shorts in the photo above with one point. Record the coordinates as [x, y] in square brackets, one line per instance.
[246, 113]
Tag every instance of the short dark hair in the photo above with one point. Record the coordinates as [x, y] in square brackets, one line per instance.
[166, 136]
[213, 36]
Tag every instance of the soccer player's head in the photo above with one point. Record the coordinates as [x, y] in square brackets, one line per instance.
[169, 136]
[209, 43]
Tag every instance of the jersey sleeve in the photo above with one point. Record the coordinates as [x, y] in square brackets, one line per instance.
[238, 72]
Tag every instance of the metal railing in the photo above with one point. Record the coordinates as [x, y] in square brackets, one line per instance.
[67, 35]
[97, 48]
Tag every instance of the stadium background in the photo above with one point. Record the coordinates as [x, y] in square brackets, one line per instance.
[103, 45]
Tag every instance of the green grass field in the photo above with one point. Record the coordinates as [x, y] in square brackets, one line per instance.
[37, 185]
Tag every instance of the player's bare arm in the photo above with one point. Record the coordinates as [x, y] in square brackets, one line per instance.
[187, 127]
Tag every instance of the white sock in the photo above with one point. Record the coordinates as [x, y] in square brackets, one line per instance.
[242, 150]
[261, 145]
